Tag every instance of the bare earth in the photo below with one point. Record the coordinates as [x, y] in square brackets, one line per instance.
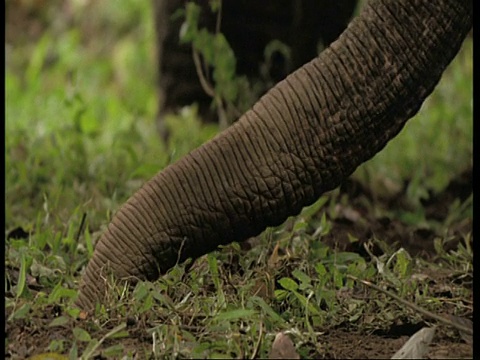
[31, 335]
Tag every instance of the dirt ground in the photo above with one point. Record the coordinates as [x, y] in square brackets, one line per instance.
[348, 345]
[337, 344]
[418, 241]
[27, 336]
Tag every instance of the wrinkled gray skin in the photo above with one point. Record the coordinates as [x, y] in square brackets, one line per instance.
[249, 26]
[302, 138]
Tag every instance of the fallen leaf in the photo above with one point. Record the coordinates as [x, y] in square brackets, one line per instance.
[417, 346]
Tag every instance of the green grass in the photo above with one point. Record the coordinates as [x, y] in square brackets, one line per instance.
[81, 139]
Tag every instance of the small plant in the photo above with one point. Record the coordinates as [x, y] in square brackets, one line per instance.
[226, 88]
[215, 63]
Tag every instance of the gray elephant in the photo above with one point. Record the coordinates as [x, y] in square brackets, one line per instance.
[302, 138]
[248, 25]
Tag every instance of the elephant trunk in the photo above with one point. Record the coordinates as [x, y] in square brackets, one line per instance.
[301, 139]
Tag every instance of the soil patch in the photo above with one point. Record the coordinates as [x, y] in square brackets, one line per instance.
[32, 334]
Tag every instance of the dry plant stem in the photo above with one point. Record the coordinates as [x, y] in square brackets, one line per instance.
[97, 345]
[259, 342]
[201, 76]
[207, 87]
[414, 307]
[219, 17]
[210, 91]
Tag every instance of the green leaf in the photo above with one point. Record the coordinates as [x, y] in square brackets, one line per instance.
[114, 351]
[73, 312]
[189, 28]
[321, 270]
[306, 303]
[325, 225]
[300, 275]
[59, 321]
[73, 354]
[147, 304]
[300, 225]
[403, 265]
[280, 294]
[268, 310]
[81, 335]
[351, 238]
[288, 284]
[120, 334]
[90, 349]
[56, 346]
[337, 277]
[342, 258]
[141, 291]
[215, 5]
[60, 292]
[310, 211]
[22, 312]
[203, 43]
[235, 314]
[22, 276]
[117, 329]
